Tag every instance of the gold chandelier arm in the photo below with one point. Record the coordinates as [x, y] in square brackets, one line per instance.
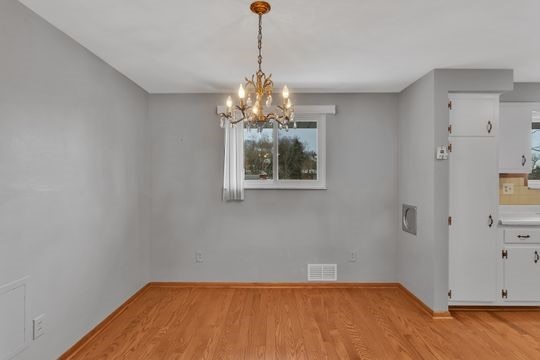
[229, 115]
[268, 84]
[250, 84]
[242, 110]
[277, 118]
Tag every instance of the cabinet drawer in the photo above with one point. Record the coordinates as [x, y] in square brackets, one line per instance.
[522, 236]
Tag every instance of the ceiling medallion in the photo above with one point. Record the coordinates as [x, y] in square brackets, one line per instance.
[256, 110]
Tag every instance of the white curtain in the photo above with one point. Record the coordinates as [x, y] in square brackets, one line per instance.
[233, 170]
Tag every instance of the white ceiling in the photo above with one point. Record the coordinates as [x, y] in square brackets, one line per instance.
[169, 46]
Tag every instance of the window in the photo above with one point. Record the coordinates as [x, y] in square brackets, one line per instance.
[280, 159]
[534, 176]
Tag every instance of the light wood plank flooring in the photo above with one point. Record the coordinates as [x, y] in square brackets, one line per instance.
[311, 323]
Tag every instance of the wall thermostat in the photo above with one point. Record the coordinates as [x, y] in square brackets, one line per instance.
[442, 152]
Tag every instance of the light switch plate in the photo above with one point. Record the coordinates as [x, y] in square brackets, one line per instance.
[442, 153]
[508, 188]
[38, 326]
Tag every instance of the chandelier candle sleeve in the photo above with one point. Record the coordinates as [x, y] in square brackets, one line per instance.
[260, 87]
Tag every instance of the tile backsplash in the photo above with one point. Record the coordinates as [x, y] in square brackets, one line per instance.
[522, 195]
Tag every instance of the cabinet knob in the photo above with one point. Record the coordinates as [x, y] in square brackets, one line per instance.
[523, 160]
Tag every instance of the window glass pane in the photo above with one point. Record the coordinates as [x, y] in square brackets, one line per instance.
[298, 152]
[535, 151]
[258, 159]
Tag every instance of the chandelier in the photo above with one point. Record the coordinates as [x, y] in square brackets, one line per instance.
[256, 110]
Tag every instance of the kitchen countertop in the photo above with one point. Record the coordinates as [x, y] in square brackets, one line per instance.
[514, 215]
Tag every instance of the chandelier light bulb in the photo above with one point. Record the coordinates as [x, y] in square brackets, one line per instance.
[229, 103]
[289, 104]
[256, 109]
[241, 92]
[285, 92]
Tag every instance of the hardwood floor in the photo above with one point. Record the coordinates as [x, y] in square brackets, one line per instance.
[310, 323]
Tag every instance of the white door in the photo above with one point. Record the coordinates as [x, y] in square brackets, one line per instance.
[522, 274]
[473, 208]
[515, 138]
[473, 114]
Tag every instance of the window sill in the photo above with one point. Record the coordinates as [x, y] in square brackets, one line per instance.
[534, 184]
[286, 186]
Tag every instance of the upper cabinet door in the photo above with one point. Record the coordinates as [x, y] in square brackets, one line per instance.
[473, 114]
[515, 138]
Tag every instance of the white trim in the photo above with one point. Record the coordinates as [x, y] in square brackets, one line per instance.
[315, 109]
[534, 184]
[534, 107]
[4, 289]
[299, 109]
[284, 185]
[319, 184]
[473, 95]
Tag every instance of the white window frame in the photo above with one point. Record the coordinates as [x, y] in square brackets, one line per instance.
[302, 114]
[534, 184]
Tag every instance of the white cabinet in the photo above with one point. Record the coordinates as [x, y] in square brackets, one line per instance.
[489, 264]
[521, 274]
[514, 138]
[474, 184]
[473, 208]
[473, 114]
[522, 235]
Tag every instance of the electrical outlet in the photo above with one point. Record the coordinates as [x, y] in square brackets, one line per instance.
[508, 188]
[38, 325]
[353, 256]
[199, 257]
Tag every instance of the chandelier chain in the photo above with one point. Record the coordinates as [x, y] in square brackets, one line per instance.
[259, 42]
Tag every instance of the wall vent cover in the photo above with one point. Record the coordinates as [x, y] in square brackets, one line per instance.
[322, 272]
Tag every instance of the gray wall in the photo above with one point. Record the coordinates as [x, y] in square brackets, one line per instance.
[71, 150]
[415, 262]
[273, 234]
[423, 124]
[527, 92]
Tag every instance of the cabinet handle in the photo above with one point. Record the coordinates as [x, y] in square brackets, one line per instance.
[523, 160]
[536, 257]
[490, 223]
[524, 236]
[489, 127]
